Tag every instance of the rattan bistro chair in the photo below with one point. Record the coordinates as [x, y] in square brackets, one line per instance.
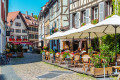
[76, 59]
[47, 55]
[57, 55]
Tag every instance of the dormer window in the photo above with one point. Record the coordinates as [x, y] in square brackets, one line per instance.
[18, 17]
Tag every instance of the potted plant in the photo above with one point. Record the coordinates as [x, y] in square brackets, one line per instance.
[66, 54]
[51, 52]
[83, 24]
[42, 52]
[45, 48]
[100, 60]
[108, 17]
[95, 21]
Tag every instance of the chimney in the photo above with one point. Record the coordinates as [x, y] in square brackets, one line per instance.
[32, 14]
[26, 13]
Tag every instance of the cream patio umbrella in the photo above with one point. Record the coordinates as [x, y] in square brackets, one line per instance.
[54, 35]
[108, 26]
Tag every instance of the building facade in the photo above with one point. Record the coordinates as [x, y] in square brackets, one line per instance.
[55, 17]
[18, 29]
[23, 30]
[68, 14]
[32, 25]
[3, 19]
[84, 12]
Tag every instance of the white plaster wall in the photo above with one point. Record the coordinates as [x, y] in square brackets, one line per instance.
[22, 27]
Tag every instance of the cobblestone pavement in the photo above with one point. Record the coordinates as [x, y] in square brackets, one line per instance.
[32, 68]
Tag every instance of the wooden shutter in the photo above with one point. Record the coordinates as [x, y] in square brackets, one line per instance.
[81, 17]
[87, 16]
[101, 11]
[70, 21]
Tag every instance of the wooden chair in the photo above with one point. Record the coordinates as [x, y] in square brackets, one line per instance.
[76, 59]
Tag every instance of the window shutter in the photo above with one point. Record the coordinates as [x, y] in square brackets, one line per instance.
[87, 16]
[70, 21]
[77, 22]
[101, 11]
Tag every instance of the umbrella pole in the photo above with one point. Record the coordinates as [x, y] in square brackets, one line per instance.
[73, 43]
[89, 39]
[115, 47]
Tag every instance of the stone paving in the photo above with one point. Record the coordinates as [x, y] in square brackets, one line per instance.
[32, 68]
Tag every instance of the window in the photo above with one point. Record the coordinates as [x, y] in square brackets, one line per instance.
[36, 36]
[12, 37]
[18, 17]
[17, 24]
[18, 37]
[18, 31]
[11, 30]
[24, 31]
[29, 28]
[96, 13]
[24, 37]
[84, 17]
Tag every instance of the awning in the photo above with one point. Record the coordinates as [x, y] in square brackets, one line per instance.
[29, 43]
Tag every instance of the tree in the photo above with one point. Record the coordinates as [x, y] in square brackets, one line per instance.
[35, 16]
[116, 7]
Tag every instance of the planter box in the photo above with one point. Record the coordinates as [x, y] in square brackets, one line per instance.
[100, 71]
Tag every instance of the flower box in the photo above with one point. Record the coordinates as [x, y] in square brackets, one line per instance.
[100, 71]
[11, 39]
[83, 24]
[95, 21]
[25, 39]
[18, 39]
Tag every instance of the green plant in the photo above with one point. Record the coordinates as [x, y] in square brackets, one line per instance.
[116, 7]
[65, 54]
[108, 16]
[42, 51]
[45, 47]
[95, 21]
[83, 24]
[51, 51]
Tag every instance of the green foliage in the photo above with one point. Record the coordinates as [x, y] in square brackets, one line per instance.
[83, 24]
[95, 21]
[66, 54]
[115, 7]
[36, 17]
[42, 51]
[51, 51]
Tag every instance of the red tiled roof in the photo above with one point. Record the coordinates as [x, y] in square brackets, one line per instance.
[12, 16]
[30, 20]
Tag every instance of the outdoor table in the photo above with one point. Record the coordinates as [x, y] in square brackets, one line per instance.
[116, 67]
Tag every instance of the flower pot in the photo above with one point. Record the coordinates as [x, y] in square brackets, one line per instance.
[100, 71]
[67, 56]
[51, 55]
[43, 53]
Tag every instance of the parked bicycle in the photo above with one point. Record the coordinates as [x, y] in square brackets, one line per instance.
[4, 59]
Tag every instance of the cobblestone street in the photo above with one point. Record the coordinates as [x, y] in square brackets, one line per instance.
[32, 68]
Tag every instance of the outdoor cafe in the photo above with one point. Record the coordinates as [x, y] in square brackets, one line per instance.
[98, 48]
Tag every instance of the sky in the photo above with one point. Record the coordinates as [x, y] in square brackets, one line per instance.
[32, 6]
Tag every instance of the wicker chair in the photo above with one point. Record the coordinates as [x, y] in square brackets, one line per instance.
[47, 55]
[86, 61]
[57, 55]
[76, 59]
